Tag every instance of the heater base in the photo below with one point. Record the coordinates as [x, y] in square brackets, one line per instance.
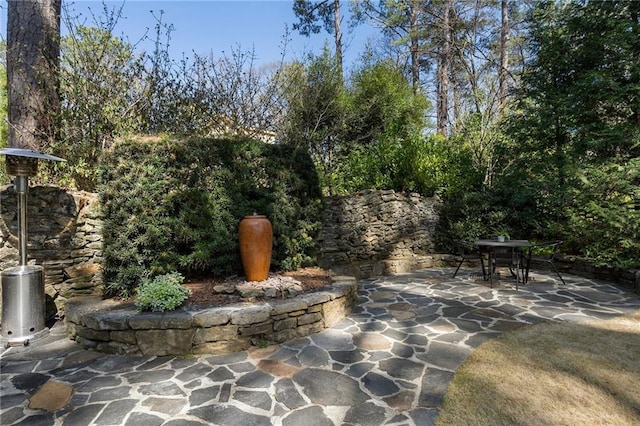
[23, 303]
[24, 340]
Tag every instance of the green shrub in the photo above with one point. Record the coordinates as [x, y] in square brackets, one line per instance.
[163, 293]
[173, 204]
[604, 216]
[413, 164]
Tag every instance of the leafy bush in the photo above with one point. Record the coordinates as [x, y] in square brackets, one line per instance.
[416, 164]
[174, 204]
[595, 212]
[163, 293]
[606, 227]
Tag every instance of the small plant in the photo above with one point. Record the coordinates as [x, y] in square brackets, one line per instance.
[502, 234]
[163, 293]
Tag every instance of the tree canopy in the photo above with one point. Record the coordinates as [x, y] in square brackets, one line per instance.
[519, 115]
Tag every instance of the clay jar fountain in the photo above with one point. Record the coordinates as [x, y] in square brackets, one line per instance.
[255, 236]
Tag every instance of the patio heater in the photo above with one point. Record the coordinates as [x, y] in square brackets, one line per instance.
[23, 297]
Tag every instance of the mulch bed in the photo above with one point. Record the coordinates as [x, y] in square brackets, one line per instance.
[204, 295]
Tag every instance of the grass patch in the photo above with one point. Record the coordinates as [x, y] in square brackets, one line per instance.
[551, 374]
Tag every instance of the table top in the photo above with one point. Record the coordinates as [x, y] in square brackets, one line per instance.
[505, 243]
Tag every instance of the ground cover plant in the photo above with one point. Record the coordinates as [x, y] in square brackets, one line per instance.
[162, 293]
[551, 374]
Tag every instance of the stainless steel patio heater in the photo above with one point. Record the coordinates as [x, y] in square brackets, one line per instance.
[23, 297]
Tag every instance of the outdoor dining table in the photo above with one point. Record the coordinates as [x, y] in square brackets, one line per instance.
[490, 245]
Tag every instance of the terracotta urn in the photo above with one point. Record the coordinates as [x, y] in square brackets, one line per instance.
[255, 236]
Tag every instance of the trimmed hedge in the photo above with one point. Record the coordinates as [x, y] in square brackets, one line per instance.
[174, 204]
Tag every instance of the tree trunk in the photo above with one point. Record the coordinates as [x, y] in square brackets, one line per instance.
[33, 59]
[415, 49]
[443, 72]
[457, 102]
[504, 57]
[338, 34]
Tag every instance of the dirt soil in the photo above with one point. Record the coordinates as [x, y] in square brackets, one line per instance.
[203, 294]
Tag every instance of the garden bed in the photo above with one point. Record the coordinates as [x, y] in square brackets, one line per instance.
[211, 292]
[235, 324]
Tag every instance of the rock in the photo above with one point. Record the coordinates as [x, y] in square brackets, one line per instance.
[82, 270]
[52, 396]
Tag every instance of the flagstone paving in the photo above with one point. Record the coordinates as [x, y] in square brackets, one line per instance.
[388, 363]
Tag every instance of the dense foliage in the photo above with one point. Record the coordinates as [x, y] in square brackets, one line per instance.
[174, 204]
[556, 159]
[606, 228]
[383, 142]
[316, 114]
[365, 135]
[564, 164]
[578, 127]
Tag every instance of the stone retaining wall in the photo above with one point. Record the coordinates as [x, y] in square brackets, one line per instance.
[370, 227]
[64, 235]
[366, 234]
[113, 327]
[626, 278]
[375, 268]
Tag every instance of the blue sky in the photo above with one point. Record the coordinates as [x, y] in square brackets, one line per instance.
[219, 25]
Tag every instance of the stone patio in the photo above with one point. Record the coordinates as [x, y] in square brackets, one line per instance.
[388, 363]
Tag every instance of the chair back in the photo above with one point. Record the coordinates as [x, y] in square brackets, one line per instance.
[465, 248]
[505, 255]
[545, 251]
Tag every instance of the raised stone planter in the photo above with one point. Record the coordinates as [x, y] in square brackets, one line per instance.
[113, 327]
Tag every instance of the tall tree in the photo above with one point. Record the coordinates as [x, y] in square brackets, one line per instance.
[33, 56]
[576, 125]
[504, 54]
[316, 112]
[403, 23]
[101, 91]
[444, 66]
[580, 93]
[310, 13]
[425, 28]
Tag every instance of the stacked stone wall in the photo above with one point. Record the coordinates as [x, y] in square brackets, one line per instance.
[366, 234]
[113, 327]
[64, 236]
[379, 232]
[626, 278]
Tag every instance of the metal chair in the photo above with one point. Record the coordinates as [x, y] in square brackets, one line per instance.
[468, 251]
[510, 257]
[543, 253]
